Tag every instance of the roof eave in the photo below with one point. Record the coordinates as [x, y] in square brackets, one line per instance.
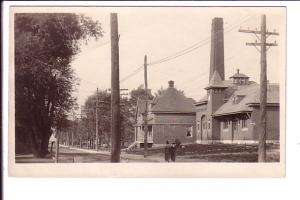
[209, 87]
[200, 103]
[258, 104]
[173, 112]
[232, 113]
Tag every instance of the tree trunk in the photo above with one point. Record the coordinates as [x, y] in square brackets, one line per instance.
[44, 146]
[40, 142]
[34, 143]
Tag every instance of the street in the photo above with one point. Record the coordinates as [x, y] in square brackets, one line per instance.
[191, 153]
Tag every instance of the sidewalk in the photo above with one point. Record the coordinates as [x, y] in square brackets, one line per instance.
[29, 158]
[125, 157]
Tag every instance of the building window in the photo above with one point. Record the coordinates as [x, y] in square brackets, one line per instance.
[198, 126]
[189, 132]
[150, 133]
[234, 99]
[208, 123]
[225, 124]
[244, 123]
[234, 125]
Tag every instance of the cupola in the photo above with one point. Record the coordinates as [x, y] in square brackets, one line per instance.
[239, 78]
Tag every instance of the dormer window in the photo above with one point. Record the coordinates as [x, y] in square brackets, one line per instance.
[237, 98]
[234, 99]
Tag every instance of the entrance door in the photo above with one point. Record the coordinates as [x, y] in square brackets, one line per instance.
[204, 135]
[234, 129]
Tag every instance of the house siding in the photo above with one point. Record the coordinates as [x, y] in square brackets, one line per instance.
[273, 121]
[216, 99]
[200, 112]
[166, 126]
[175, 118]
[173, 126]
[170, 132]
[248, 134]
[241, 133]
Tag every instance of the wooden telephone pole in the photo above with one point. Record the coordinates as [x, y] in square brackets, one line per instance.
[72, 136]
[115, 91]
[146, 110]
[97, 135]
[263, 81]
[57, 146]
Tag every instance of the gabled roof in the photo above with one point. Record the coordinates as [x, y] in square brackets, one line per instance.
[248, 95]
[230, 89]
[173, 101]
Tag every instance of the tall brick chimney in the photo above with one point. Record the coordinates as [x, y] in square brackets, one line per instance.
[217, 48]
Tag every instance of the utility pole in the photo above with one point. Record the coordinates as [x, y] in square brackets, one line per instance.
[115, 91]
[97, 121]
[72, 136]
[57, 146]
[263, 81]
[146, 110]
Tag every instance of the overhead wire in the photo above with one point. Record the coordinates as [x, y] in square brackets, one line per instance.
[184, 51]
[177, 54]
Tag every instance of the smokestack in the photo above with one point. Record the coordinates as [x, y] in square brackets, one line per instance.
[217, 48]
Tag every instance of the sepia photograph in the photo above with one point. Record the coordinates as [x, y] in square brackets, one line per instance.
[166, 88]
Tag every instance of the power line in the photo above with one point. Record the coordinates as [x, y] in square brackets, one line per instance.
[195, 46]
[96, 47]
[183, 52]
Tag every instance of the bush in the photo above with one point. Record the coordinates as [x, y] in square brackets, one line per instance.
[177, 142]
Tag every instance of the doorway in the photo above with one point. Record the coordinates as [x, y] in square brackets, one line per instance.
[234, 129]
[204, 135]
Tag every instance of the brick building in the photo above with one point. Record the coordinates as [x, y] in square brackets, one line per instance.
[230, 110]
[171, 116]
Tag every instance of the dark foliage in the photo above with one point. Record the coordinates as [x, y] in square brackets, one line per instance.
[45, 45]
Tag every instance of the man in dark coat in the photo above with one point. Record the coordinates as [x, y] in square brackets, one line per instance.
[167, 152]
[173, 152]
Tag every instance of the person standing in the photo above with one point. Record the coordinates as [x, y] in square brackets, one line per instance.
[173, 152]
[167, 151]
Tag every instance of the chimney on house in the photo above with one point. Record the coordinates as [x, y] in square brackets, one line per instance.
[217, 48]
[171, 84]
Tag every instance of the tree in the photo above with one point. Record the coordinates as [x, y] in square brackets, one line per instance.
[128, 106]
[45, 45]
[139, 93]
[162, 90]
[104, 117]
[127, 121]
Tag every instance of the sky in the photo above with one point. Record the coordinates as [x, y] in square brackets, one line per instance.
[161, 32]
